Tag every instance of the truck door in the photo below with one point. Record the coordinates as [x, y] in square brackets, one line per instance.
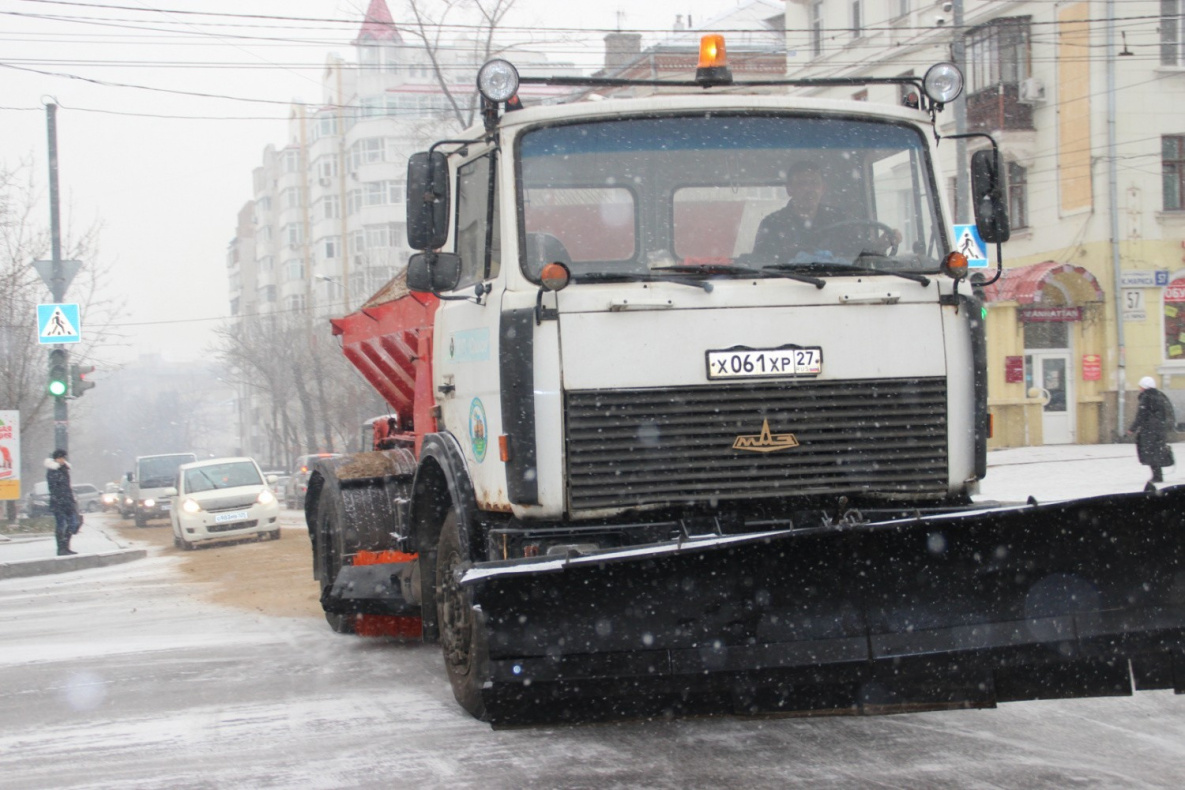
[466, 339]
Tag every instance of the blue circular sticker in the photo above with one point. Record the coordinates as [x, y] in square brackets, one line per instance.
[478, 430]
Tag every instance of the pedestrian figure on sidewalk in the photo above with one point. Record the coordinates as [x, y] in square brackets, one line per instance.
[1154, 420]
[62, 503]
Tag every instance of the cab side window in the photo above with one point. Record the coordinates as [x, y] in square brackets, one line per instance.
[477, 222]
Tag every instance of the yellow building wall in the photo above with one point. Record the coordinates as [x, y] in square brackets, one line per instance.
[1073, 98]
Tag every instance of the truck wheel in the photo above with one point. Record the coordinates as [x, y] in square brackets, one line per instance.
[330, 514]
[461, 636]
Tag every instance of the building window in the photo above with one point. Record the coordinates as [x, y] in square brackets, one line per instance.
[1018, 200]
[331, 207]
[817, 28]
[292, 161]
[332, 245]
[857, 19]
[294, 302]
[1172, 32]
[291, 198]
[998, 54]
[327, 167]
[267, 293]
[294, 269]
[1172, 166]
[366, 152]
[903, 8]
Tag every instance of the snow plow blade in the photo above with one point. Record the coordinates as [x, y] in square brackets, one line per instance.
[1072, 599]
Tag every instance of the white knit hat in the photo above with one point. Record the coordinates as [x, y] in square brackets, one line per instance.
[1147, 383]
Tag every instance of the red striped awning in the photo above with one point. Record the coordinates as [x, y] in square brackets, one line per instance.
[1044, 283]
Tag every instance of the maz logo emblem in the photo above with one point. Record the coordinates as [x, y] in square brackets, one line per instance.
[765, 442]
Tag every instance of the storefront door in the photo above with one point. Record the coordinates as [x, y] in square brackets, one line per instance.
[1053, 372]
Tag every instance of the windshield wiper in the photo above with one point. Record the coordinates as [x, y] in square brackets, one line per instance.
[742, 271]
[835, 267]
[630, 277]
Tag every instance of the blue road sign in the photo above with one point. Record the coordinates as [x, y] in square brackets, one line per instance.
[967, 241]
[58, 323]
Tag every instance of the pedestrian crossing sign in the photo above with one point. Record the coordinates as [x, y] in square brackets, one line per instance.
[968, 242]
[58, 323]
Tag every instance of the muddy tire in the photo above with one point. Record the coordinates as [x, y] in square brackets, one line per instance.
[462, 637]
[330, 528]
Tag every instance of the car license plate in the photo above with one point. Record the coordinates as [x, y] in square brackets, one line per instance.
[741, 363]
[223, 518]
[166, 505]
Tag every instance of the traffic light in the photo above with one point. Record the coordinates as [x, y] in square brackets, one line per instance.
[78, 382]
[59, 385]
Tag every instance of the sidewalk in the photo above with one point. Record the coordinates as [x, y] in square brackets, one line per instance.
[35, 555]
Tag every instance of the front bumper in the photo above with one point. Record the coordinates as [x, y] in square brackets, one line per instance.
[206, 525]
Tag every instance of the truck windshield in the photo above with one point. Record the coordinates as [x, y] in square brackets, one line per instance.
[160, 470]
[765, 193]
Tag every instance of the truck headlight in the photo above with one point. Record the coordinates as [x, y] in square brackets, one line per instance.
[149, 503]
[943, 82]
[189, 506]
[497, 80]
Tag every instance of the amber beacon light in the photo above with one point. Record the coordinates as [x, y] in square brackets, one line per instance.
[713, 62]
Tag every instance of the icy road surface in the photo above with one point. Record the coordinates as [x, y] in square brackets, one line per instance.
[125, 677]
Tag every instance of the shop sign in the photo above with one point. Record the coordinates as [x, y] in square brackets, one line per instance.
[1175, 292]
[1014, 370]
[1050, 314]
[1092, 367]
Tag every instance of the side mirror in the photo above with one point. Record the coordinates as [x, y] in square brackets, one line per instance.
[170, 491]
[271, 480]
[130, 477]
[987, 196]
[427, 200]
[433, 272]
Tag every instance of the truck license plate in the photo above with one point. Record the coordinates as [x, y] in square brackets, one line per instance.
[741, 363]
[222, 518]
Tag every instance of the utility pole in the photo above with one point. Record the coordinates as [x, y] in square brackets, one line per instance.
[959, 54]
[61, 425]
[1113, 210]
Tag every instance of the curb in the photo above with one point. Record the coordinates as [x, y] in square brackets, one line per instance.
[24, 568]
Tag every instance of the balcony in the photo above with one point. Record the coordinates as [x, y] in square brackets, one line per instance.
[998, 108]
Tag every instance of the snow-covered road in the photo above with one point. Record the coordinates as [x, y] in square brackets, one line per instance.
[123, 677]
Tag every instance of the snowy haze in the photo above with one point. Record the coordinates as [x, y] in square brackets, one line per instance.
[167, 190]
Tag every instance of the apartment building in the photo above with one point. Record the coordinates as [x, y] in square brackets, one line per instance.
[1084, 99]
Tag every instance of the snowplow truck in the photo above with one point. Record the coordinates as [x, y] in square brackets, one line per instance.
[688, 408]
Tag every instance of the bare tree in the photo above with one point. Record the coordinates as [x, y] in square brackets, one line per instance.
[23, 239]
[432, 21]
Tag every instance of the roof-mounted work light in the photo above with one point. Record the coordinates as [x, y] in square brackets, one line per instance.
[943, 83]
[713, 62]
[497, 80]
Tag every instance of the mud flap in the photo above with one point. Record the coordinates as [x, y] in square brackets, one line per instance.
[381, 589]
[1069, 599]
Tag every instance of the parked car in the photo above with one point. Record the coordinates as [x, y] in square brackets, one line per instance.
[298, 483]
[37, 500]
[222, 498]
[88, 497]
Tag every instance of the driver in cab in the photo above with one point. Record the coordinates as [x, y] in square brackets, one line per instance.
[806, 225]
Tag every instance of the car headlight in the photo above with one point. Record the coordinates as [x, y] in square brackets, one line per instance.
[265, 497]
[149, 503]
[190, 506]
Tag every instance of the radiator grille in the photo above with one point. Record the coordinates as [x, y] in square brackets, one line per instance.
[645, 446]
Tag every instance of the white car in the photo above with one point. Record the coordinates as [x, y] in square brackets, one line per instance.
[222, 498]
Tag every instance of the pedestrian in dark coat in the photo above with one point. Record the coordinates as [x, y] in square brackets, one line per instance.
[62, 503]
[1154, 420]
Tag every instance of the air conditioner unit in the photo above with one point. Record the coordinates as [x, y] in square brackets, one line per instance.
[1032, 91]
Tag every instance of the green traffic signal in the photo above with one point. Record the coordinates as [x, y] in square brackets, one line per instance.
[59, 385]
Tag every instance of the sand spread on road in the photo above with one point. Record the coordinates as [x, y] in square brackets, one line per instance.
[273, 577]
